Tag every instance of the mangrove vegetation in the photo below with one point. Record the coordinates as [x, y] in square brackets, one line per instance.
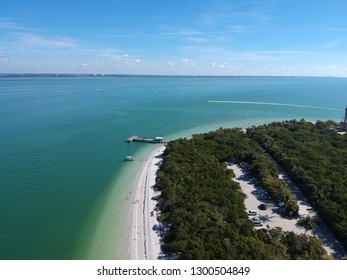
[203, 215]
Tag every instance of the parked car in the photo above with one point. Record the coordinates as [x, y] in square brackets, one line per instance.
[262, 206]
[252, 212]
[256, 221]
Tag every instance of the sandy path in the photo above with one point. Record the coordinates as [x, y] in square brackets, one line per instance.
[271, 216]
[143, 240]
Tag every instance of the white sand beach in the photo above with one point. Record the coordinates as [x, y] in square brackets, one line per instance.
[143, 240]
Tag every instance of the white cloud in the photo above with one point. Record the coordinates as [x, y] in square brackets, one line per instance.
[30, 39]
[4, 59]
[333, 44]
[8, 24]
[184, 62]
[329, 67]
[228, 13]
[286, 52]
[218, 53]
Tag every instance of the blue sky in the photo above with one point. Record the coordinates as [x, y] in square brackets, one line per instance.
[201, 37]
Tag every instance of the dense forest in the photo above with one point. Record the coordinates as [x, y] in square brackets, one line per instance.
[203, 215]
[315, 157]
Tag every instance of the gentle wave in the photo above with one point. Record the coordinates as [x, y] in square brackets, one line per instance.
[274, 104]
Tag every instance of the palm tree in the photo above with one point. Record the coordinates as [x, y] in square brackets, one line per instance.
[307, 222]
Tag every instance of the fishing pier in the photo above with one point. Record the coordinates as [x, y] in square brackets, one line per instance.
[156, 140]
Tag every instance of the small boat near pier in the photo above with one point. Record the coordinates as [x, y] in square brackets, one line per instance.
[129, 158]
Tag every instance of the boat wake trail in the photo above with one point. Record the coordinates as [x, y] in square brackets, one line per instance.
[273, 104]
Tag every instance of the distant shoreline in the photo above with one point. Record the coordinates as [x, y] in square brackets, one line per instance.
[74, 75]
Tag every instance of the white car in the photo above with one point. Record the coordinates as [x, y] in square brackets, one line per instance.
[256, 221]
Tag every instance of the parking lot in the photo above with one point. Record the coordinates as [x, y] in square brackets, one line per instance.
[271, 217]
[256, 196]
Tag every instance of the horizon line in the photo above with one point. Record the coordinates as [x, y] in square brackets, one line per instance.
[2, 75]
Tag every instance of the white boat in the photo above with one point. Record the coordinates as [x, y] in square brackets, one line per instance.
[129, 158]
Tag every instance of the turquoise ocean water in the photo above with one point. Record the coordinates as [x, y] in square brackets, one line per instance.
[63, 181]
